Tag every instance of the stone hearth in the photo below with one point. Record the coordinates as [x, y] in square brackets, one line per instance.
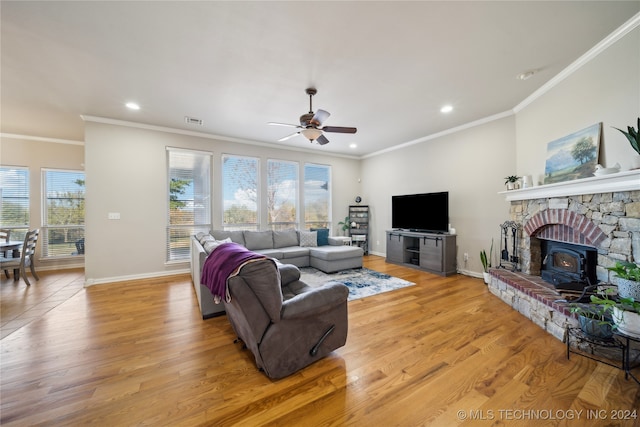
[534, 298]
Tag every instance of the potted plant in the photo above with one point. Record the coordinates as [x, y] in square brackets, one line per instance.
[633, 136]
[486, 263]
[344, 225]
[625, 313]
[627, 278]
[510, 181]
[595, 319]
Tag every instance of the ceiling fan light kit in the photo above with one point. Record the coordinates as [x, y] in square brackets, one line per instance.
[310, 124]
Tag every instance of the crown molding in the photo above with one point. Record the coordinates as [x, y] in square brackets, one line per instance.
[40, 139]
[124, 123]
[443, 133]
[607, 42]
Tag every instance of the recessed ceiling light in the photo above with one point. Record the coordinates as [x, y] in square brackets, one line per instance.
[132, 106]
[353, 145]
[446, 109]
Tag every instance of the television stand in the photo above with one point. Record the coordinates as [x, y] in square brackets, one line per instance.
[432, 252]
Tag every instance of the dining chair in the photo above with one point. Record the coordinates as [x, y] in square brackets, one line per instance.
[5, 234]
[19, 265]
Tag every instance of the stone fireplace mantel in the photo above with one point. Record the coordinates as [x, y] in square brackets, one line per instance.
[621, 181]
[601, 212]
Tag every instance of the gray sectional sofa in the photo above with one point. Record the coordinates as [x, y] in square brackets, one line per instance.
[300, 248]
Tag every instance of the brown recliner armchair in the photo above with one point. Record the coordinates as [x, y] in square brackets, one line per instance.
[286, 324]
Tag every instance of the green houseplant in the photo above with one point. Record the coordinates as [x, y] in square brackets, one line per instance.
[595, 319]
[627, 278]
[486, 262]
[633, 135]
[625, 313]
[344, 225]
[510, 181]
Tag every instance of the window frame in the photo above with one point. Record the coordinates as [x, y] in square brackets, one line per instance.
[250, 226]
[317, 224]
[18, 231]
[46, 227]
[180, 234]
[295, 191]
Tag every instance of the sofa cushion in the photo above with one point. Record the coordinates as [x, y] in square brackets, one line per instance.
[258, 239]
[283, 239]
[270, 252]
[235, 236]
[323, 236]
[308, 239]
[294, 252]
[330, 253]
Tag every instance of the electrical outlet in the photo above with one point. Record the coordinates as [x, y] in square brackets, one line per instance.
[114, 215]
[466, 256]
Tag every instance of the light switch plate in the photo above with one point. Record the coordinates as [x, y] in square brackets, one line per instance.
[114, 215]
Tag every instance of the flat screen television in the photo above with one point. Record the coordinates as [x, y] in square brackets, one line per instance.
[428, 212]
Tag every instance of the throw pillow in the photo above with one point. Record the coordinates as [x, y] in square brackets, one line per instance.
[323, 236]
[210, 245]
[308, 239]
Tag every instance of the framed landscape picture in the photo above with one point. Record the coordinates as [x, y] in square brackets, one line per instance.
[574, 156]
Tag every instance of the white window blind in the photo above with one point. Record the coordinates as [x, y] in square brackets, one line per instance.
[282, 194]
[63, 205]
[14, 200]
[317, 196]
[240, 193]
[189, 194]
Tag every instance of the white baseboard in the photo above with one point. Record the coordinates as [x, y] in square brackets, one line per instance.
[104, 280]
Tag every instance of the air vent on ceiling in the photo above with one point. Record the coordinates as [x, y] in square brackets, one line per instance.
[192, 121]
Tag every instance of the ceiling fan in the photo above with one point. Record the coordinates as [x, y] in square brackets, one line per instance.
[311, 124]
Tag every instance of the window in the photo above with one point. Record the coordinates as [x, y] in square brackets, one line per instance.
[62, 231]
[240, 193]
[282, 194]
[14, 200]
[189, 193]
[317, 196]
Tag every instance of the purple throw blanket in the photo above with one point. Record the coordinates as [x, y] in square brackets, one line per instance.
[221, 264]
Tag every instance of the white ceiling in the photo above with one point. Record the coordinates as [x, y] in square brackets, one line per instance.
[383, 67]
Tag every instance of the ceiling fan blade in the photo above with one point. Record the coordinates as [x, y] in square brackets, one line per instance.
[322, 140]
[288, 136]
[319, 117]
[339, 129]
[283, 124]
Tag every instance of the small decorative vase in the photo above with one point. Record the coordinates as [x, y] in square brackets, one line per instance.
[635, 162]
[486, 277]
[511, 185]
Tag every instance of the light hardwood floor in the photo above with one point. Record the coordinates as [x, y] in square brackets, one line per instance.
[444, 352]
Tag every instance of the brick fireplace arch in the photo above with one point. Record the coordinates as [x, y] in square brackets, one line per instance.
[565, 226]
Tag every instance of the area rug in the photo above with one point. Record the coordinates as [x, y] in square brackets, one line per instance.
[361, 282]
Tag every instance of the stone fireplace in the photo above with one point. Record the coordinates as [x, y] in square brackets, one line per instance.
[599, 214]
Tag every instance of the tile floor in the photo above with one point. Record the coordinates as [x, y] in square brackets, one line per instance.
[21, 304]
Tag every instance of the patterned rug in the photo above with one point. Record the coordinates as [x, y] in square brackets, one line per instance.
[361, 282]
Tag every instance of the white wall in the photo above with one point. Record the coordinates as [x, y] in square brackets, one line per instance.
[126, 173]
[36, 155]
[606, 89]
[470, 165]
